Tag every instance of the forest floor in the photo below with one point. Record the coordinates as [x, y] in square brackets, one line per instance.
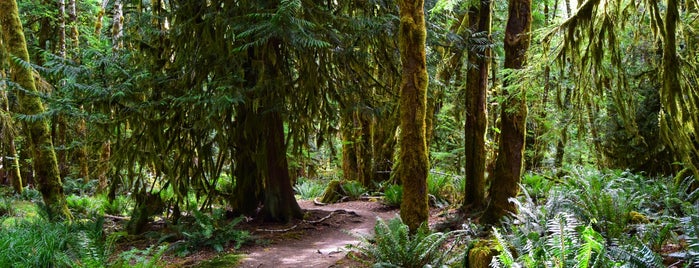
[319, 240]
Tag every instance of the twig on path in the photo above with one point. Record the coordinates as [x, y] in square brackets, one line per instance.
[278, 231]
[117, 217]
[326, 217]
[305, 221]
[318, 203]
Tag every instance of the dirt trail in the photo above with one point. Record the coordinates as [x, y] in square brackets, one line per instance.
[321, 244]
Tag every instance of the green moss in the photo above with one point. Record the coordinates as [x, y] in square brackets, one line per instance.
[332, 193]
[43, 154]
[225, 260]
[413, 164]
[637, 218]
[481, 255]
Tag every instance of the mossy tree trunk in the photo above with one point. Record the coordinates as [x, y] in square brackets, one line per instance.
[513, 116]
[72, 10]
[413, 163]
[476, 90]
[363, 148]
[10, 157]
[349, 154]
[262, 172]
[81, 153]
[44, 156]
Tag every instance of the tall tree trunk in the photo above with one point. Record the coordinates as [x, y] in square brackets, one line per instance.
[539, 145]
[356, 146]
[59, 124]
[73, 28]
[117, 25]
[103, 166]
[594, 133]
[100, 17]
[279, 202]
[349, 154]
[413, 163]
[262, 172]
[44, 157]
[508, 166]
[7, 130]
[248, 186]
[364, 155]
[62, 28]
[476, 88]
[81, 152]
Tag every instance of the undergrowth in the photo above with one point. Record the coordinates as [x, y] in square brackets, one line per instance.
[392, 245]
[308, 189]
[203, 230]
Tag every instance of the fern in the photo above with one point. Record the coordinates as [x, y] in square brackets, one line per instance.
[505, 258]
[635, 255]
[393, 246]
[591, 248]
[690, 225]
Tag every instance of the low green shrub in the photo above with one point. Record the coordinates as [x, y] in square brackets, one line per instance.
[353, 189]
[78, 186]
[204, 230]
[393, 195]
[6, 208]
[40, 243]
[31, 194]
[566, 243]
[119, 206]
[440, 186]
[149, 257]
[84, 205]
[393, 246]
[308, 189]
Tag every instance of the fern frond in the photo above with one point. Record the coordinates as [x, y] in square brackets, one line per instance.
[591, 248]
[637, 255]
[505, 258]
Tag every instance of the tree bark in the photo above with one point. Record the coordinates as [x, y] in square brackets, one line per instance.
[7, 131]
[279, 203]
[508, 166]
[73, 28]
[476, 114]
[414, 163]
[44, 156]
[62, 28]
[117, 25]
[103, 166]
[349, 154]
[262, 172]
[248, 187]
